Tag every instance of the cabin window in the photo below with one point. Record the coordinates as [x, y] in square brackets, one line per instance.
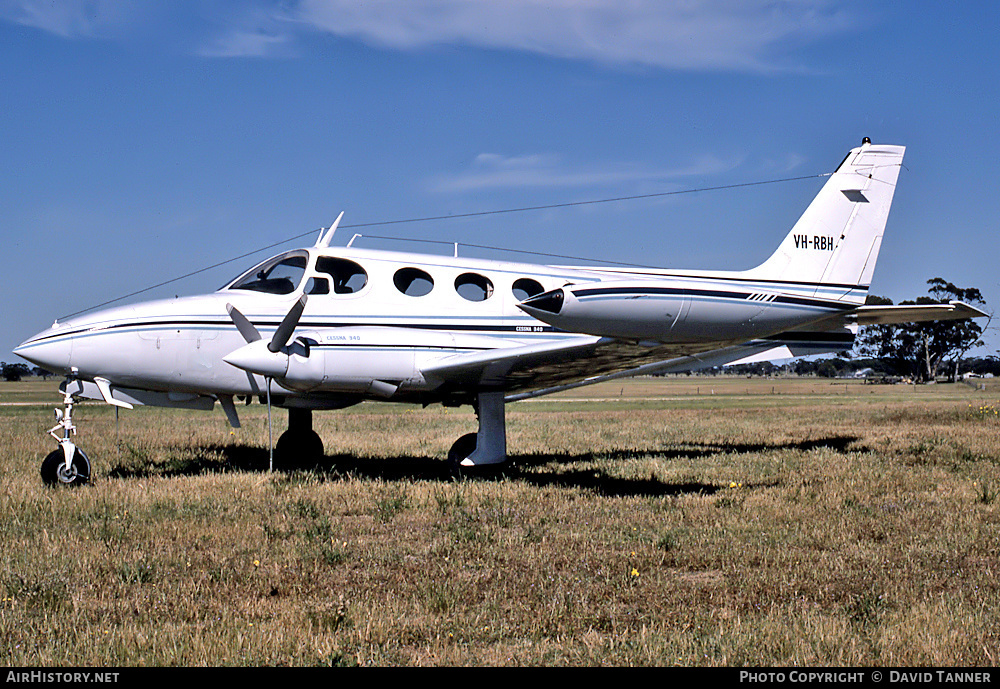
[348, 277]
[473, 286]
[318, 286]
[526, 287]
[279, 275]
[413, 282]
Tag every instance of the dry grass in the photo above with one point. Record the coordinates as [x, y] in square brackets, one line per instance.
[646, 523]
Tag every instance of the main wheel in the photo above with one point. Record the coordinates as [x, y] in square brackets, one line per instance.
[462, 448]
[54, 470]
[299, 448]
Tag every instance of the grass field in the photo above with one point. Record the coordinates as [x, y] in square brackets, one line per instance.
[693, 522]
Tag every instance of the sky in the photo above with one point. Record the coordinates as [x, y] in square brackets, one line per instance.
[143, 141]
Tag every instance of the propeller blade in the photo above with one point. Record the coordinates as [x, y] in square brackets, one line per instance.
[242, 323]
[284, 332]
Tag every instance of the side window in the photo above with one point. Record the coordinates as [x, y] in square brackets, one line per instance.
[318, 286]
[347, 276]
[413, 282]
[526, 287]
[473, 286]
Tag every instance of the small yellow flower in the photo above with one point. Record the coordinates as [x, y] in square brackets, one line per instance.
[635, 572]
[256, 563]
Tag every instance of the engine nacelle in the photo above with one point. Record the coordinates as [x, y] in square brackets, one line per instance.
[666, 312]
[369, 360]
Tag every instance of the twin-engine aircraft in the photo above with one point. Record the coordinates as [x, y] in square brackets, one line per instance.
[326, 328]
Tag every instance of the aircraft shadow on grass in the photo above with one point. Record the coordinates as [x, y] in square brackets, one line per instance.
[187, 461]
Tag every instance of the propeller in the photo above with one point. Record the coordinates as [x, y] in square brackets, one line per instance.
[243, 324]
[284, 332]
[257, 356]
[269, 359]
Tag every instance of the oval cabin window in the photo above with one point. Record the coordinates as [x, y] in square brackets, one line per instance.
[526, 287]
[473, 286]
[413, 282]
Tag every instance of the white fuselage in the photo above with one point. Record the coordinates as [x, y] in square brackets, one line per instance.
[371, 332]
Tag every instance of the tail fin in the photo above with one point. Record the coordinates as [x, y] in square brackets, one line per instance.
[837, 239]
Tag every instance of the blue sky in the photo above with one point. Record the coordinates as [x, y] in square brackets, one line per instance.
[141, 141]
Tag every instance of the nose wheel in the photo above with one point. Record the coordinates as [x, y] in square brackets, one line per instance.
[55, 471]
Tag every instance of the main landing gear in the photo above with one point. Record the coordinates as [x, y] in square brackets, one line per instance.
[68, 465]
[474, 454]
[486, 451]
[299, 444]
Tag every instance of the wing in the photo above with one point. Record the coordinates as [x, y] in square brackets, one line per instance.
[534, 370]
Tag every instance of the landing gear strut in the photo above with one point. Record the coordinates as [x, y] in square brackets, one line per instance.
[68, 465]
[474, 452]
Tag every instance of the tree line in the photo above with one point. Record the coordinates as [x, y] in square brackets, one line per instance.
[925, 351]
[920, 352]
[11, 372]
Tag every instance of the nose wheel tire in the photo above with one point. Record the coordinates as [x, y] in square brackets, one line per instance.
[56, 473]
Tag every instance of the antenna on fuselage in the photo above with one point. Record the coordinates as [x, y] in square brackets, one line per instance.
[326, 235]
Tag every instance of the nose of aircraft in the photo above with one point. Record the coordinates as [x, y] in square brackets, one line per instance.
[50, 349]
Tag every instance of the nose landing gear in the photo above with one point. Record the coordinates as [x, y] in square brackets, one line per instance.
[67, 466]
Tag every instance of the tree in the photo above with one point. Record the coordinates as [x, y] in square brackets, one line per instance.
[13, 372]
[42, 373]
[923, 350]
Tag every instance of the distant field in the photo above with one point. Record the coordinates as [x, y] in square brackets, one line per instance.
[31, 391]
[682, 521]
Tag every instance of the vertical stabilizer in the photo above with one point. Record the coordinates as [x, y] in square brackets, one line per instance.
[837, 239]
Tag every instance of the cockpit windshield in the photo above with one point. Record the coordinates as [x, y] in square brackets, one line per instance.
[279, 275]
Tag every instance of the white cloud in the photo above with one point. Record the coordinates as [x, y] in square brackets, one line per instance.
[493, 171]
[740, 35]
[210, 28]
[750, 35]
[245, 43]
[70, 18]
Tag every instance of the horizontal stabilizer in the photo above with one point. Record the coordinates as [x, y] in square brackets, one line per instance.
[916, 313]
